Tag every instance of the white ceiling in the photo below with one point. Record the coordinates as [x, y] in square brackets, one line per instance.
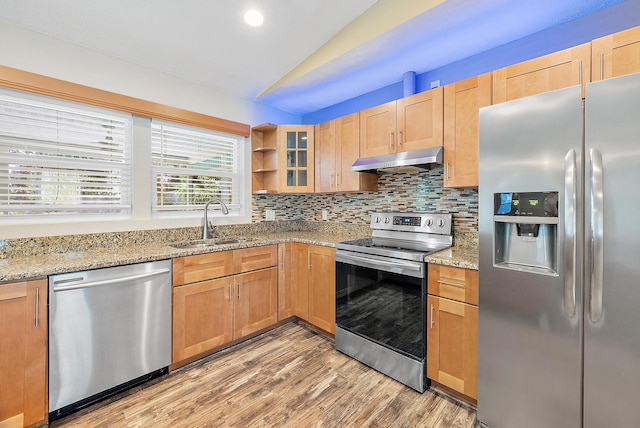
[206, 41]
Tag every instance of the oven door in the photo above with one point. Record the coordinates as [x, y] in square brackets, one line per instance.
[382, 299]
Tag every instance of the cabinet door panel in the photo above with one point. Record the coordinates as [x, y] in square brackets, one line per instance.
[322, 289]
[200, 267]
[347, 152]
[420, 120]
[325, 143]
[285, 280]
[300, 279]
[616, 54]
[547, 73]
[23, 355]
[256, 296]
[462, 102]
[452, 346]
[377, 130]
[202, 317]
[248, 259]
[453, 283]
[296, 158]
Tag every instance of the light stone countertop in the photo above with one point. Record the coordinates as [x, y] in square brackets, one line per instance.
[32, 267]
[463, 256]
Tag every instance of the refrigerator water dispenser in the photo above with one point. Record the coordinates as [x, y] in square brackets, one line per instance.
[526, 231]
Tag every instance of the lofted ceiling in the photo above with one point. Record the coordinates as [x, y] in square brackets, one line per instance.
[309, 54]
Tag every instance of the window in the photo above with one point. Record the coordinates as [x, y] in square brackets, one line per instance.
[62, 158]
[191, 166]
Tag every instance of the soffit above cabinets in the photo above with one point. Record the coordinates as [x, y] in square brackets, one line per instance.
[308, 54]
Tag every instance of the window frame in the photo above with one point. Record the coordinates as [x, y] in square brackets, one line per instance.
[142, 111]
[41, 110]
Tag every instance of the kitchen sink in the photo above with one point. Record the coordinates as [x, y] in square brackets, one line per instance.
[205, 243]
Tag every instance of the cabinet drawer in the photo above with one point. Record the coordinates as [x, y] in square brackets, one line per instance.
[201, 267]
[255, 258]
[453, 283]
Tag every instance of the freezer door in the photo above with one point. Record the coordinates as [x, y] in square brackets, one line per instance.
[612, 292]
[529, 335]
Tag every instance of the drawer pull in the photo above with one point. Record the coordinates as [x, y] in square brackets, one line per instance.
[455, 284]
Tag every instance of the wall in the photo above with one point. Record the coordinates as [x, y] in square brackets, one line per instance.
[35, 52]
[416, 191]
[38, 53]
[605, 21]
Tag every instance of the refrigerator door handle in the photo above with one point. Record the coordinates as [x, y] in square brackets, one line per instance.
[570, 223]
[597, 234]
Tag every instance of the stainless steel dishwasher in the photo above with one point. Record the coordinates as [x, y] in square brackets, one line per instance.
[109, 329]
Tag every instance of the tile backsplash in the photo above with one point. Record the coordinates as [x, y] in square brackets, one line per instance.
[415, 191]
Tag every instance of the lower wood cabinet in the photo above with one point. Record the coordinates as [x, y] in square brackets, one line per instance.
[256, 305]
[285, 280]
[452, 350]
[314, 285]
[213, 312]
[452, 328]
[202, 317]
[23, 353]
[322, 288]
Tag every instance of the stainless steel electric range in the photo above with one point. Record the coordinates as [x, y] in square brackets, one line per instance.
[381, 293]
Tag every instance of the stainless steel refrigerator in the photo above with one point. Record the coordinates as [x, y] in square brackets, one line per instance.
[559, 226]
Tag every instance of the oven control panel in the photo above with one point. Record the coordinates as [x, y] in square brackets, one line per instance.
[412, 222]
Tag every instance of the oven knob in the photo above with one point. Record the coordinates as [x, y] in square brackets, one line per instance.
[441, 222]
[386, 220]
[429, 222]
[377, 219]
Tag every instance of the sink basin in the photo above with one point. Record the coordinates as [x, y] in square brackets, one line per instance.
[206, 243]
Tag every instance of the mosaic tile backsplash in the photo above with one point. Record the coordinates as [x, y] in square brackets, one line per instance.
[414, 191]
[347, 212]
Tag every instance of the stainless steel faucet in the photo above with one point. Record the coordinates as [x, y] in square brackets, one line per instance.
[207, 227]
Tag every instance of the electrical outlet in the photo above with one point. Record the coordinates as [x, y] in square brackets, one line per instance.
[325, 215]
[270, 215]
[435, 84]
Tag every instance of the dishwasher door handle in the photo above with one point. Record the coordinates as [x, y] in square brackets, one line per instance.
[111, 281]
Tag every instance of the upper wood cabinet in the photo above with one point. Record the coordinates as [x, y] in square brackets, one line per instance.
[616, 54]
[325, 157]
[410, 123]
[23, 353]
[462, 101]
[558, 70]
[420, 120]
[337, 148]
[282, 158]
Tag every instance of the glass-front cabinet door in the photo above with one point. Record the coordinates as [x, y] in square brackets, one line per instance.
[296, 158]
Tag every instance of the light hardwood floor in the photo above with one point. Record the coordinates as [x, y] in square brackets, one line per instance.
[288, 377]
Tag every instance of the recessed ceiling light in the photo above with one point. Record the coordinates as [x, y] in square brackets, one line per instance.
[253, 18]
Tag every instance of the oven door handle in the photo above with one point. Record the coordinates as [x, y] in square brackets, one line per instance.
[403, 267]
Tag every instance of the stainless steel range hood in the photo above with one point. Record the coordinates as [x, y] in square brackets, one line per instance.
[415, 160]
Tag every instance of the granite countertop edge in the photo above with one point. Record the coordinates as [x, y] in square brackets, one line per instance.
[35, 267]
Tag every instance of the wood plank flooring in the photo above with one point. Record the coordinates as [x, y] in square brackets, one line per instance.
[288, 377]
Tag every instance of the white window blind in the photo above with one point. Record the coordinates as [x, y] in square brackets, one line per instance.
[59, 158]
[191, 166]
